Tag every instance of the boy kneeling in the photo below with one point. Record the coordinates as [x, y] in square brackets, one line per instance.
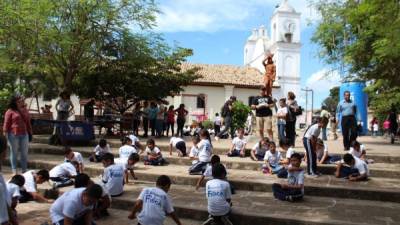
[75, 207]
[294, 189]
[218, 192]
[357, 169]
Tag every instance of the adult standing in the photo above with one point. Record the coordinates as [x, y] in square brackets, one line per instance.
[136, 114]
[293, 108]
[18, 130]
[282, 115]
[325, 119]
[153, 111]
[262, 104]
[181, 114]
[227, 114]
[348, 110]
[145, 118]
[393, 121]
[64, 106]
[170, 120]
[334, 127]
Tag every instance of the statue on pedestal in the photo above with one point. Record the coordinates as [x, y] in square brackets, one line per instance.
[270, 73]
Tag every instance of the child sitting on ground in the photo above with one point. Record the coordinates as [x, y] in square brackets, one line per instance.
[218, 194]
[113, 176]
[32, 179]
[62, 175]
[294, 189]
[259, 150]
[154, 204]
[194, 151]
[354, 170]
[100, 208]
[13, 188]
[285, 162]
[208, 172]
[238, 145]
[272, 160]
[179, 144]
[205, 151]
[75, 206]
[126, 149]
[358, 150]
[154, 156]
[128, 166]
[99, 151]
[323, 156]
[74, 156]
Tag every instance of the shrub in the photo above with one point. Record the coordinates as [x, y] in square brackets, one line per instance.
[240, 113]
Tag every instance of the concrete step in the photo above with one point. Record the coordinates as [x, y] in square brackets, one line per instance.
[380, 189]
[222, 147]
[377, 169]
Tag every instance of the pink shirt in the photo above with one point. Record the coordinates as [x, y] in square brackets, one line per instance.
[17, 123]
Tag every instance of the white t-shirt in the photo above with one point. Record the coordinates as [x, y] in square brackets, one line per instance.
[281, 112]
[205, 150]
[175, 140]
[361, 166]
[30, 183]
[314, 130]
[218, 121]
[134, 139]
[375, 127]
[321, 152]
[296, 178]
[239, 143]
[155, 150]
[113, 179]
[69, 205]
[100, 151]
[289, 152]
[217, 192]
[357, 153]
[13, 191]
[208, 172]
[126, 150]
[194, 152]
[260, 150]
[77, 157]
[65, 169]
[272, 159]
[4, 199]
[156, 204]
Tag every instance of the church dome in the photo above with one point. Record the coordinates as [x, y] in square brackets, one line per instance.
[285, 7]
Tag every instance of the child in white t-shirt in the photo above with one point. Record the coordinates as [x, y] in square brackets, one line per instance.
[62, 174]
[179, 144]
[208, 171]
[218, 193]
[258, 151]
[285, 161]
[323, 156]
[272, 160]
[154, 156]
[99, 151]
[129, 167]
[76, 205]
[205, 151]
[113, 176]
[352, 168]
[154, 204]
[29, 192]
[126, 149]
[358, 150]
[74, 156]
[293, 190]
[13, 187]
[238, 145]
[194, 151]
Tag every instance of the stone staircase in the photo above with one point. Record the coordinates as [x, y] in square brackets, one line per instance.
[328, 200]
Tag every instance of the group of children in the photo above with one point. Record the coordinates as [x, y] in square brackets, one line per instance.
[88, 199]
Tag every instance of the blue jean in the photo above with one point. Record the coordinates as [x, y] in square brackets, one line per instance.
[324, 136]
[281, 131]
[18, 144]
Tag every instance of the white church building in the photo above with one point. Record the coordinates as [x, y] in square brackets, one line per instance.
[207, 94]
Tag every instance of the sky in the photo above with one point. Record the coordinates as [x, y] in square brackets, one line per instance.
[217, 30]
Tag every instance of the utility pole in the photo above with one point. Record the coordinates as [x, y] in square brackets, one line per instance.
[312, 102]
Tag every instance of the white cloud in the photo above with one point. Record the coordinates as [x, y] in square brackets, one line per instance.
[216, 15]
[323, 80]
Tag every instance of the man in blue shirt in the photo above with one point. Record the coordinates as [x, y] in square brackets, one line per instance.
[348, 109]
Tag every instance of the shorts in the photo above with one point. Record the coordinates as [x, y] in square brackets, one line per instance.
[264, 123]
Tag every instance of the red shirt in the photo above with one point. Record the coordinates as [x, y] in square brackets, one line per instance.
[17, 123]
[171, 116]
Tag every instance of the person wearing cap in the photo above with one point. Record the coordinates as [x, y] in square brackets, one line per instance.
[227, 113]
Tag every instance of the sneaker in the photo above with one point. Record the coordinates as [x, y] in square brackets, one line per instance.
[209, 221]
[216, 138]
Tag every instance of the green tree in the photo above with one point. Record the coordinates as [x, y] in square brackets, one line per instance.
[362, 39]
[66, 38]
[139, 67]
[332, 100]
